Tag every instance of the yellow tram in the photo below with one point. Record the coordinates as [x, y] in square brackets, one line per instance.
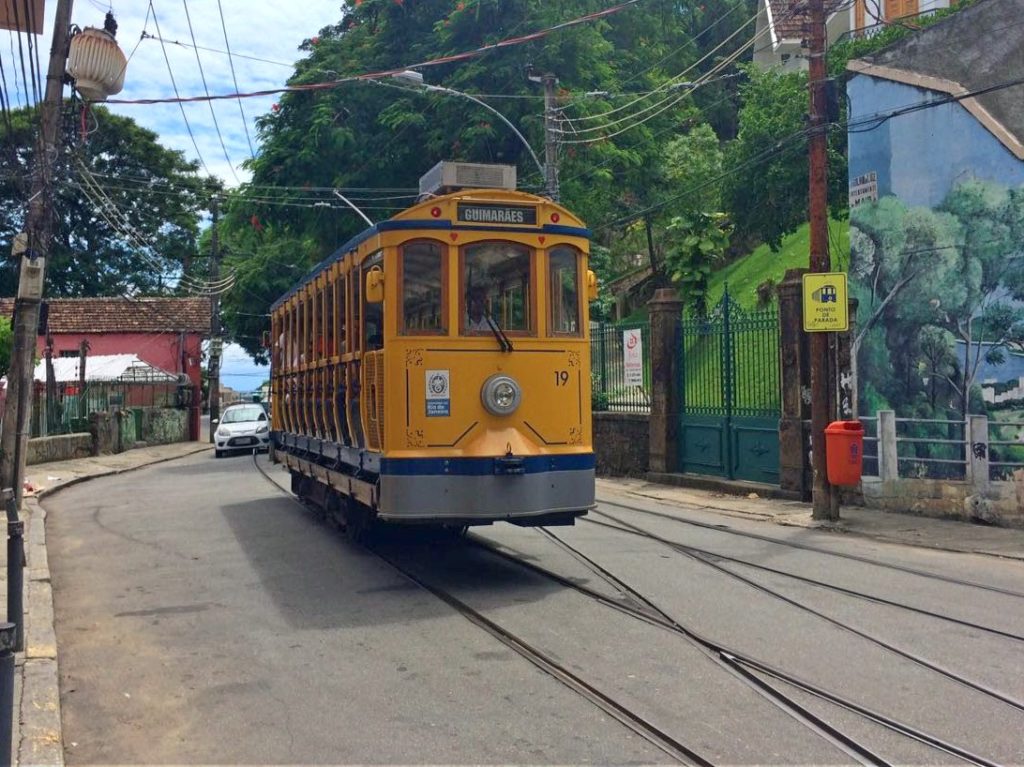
[436, 368]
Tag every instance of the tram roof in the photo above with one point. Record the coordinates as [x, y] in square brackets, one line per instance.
[406, 220]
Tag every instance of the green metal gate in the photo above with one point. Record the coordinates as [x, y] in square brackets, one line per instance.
[731, 393]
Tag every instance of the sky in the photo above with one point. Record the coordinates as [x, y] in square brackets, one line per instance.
[265, 29]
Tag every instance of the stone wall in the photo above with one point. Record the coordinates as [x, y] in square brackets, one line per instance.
[162, 426]
[62, 447]
[1001, 503]
[622, 443]
[116, 432]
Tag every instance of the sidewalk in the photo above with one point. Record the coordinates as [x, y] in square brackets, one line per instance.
[37, 727]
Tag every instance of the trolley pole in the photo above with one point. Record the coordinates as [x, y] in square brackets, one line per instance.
[821, 493]
[550, 138]
[215, 339]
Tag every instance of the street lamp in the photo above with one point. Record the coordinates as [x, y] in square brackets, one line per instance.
[415, 78]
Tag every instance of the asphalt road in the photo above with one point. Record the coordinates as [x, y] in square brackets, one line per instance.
[204, 617]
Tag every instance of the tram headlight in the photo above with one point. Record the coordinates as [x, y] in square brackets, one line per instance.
[501, 395]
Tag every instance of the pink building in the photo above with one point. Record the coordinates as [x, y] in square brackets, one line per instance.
[167, 333]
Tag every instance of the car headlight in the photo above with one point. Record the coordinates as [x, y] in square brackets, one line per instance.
[262, 429]
[222, 432]
[501, 394]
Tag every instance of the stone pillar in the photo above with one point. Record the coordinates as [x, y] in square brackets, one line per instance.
[666, 309]
[977, 452]
[888, 458]
[794, 456]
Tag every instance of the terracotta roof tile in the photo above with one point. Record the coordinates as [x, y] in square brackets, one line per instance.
[123, 315]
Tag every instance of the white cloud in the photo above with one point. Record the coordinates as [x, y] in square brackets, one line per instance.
[259, 28]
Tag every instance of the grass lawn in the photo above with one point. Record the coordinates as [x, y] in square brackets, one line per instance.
[746, 273]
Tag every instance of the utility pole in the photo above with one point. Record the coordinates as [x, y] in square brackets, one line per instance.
[215, 339]
[550, 137]
[822, 491]
[39, 234]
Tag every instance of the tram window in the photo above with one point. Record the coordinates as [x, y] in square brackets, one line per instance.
[298, 357]
[423, 304]
[329, 350]
[373, 314]
[563, 284]
[339, 308]
[496, 285]
[308, 346]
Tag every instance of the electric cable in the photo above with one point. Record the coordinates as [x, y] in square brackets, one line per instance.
[462, 56]
[234, 78]
[667, 85]
[109, 211]
[206, 90]
[174, 85]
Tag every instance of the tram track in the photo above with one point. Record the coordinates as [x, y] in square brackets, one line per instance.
[626, 527]
[650, 732]
[757, 675]
[808, 547]
[739, 664]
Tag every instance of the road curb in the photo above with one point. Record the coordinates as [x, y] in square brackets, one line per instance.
[45, 491]
[39, 721]
[40, 736]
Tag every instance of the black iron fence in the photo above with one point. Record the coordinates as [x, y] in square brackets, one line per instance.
[613, 386]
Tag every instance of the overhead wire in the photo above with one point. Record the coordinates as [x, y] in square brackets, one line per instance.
[174, 85]
[234, 78]
[119, 222]
[671, 103]
[213, 113]
[668, 84]
[462, 56]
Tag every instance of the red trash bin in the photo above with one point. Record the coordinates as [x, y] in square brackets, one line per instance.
[844, 451]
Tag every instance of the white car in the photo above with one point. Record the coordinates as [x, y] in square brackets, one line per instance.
[242, 427]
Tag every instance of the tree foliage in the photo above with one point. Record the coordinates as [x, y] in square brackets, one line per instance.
[384, 135]
[767, 189]
[157, 194]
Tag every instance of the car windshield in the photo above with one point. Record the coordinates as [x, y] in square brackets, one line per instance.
[243, 414]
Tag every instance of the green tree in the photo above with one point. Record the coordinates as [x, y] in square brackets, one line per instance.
[155, 195]
[766, 192]
[698, 241]
[382, 135]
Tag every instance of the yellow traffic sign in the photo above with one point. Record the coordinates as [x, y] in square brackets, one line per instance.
[825, 302]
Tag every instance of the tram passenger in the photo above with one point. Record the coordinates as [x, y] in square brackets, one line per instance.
[476, 310]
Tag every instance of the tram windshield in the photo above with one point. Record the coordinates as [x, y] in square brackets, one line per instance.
[496, 285]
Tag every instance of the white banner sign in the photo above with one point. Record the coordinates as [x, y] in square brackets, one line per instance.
[633, 354]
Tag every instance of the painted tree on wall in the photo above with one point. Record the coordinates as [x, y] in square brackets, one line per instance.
[941, 291]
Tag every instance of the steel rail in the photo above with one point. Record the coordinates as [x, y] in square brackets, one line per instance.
[732, 659]
[924, 662]
[807, 547]
[621, 713]
[841, 589]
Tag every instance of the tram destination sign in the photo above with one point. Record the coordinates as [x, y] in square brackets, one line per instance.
[525, 215]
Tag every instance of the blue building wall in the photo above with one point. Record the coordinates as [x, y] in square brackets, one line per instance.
[921, 156]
